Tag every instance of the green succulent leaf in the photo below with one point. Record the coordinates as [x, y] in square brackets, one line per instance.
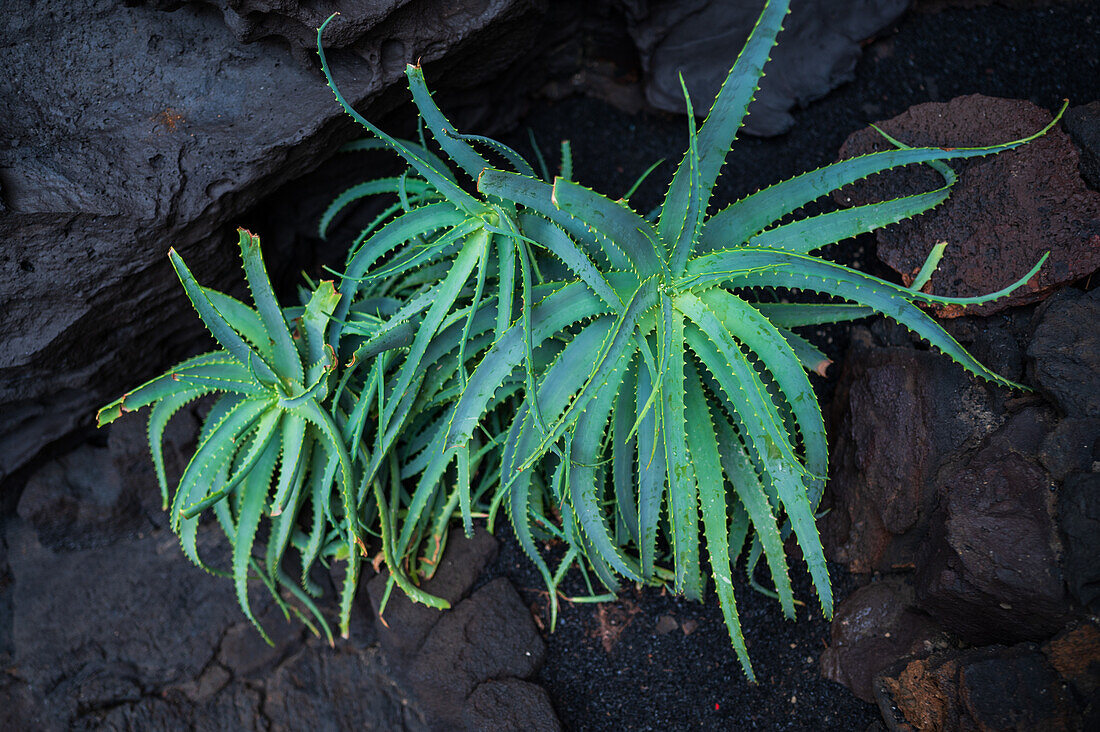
[532, 344]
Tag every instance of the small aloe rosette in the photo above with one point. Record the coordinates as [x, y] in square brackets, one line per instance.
[268, 447]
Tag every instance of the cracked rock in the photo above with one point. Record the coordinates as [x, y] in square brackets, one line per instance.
[510, 705]
[488, 636]
[344, 688]
[128, 130]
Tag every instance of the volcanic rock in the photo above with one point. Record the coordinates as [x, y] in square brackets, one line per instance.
[1004, 213]
[1079, 516]
[996, 687]
[988, 571]
[899, 414]
[938, 473]
[872, 628]
[128, 130]
[458, 663]
[1083, 125]
[1065, 352]
[817, 51]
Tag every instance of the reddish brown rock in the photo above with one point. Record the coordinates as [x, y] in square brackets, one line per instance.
[1022, 687]
[1005, 211]
[874, 627]
[899, 414]
[988, 571]
[1075, 654]
[986, 689]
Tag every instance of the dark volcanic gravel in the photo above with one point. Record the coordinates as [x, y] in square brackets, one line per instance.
[649, 680]
[671, 665]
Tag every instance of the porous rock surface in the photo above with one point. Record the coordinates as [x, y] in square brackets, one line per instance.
[110, 626]
[1025, 686]
[979, 498]
[469, 667]
[116, 629]
[127, 130]
[816, 52]
[1004, 213]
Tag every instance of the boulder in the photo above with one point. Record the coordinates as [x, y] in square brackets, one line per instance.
[488, 637]
[462, 562]
[898, 415]
[510, 705]
[1083, 125]
[129, 130]
[984, 689]
[1064, 354]
[988, 570]
[468, 667]
[1004, 213]
[873, 627]
[817, 51]
[1079, 516]
[969, 485]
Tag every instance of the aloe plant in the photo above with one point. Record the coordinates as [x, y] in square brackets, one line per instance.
[501, 339]
[268, 447]
[652, 326]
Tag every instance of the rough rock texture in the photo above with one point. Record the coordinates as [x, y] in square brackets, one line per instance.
[116, 629]
[1075, 655]
[459, 569]
[1064, 361]
[467, 666]
[1079, 510]
[506, 706]
[1065, 353]
[817, 51]
[179, 653]
[96, 495]
[1083, 125]
[897, 419]
[128, 130]
[872, 628]
[987, 496]
[109, 626]
[988, 571]
[1005, 211]
[1025, 686]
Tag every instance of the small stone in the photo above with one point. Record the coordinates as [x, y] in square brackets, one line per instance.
[666, 624]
